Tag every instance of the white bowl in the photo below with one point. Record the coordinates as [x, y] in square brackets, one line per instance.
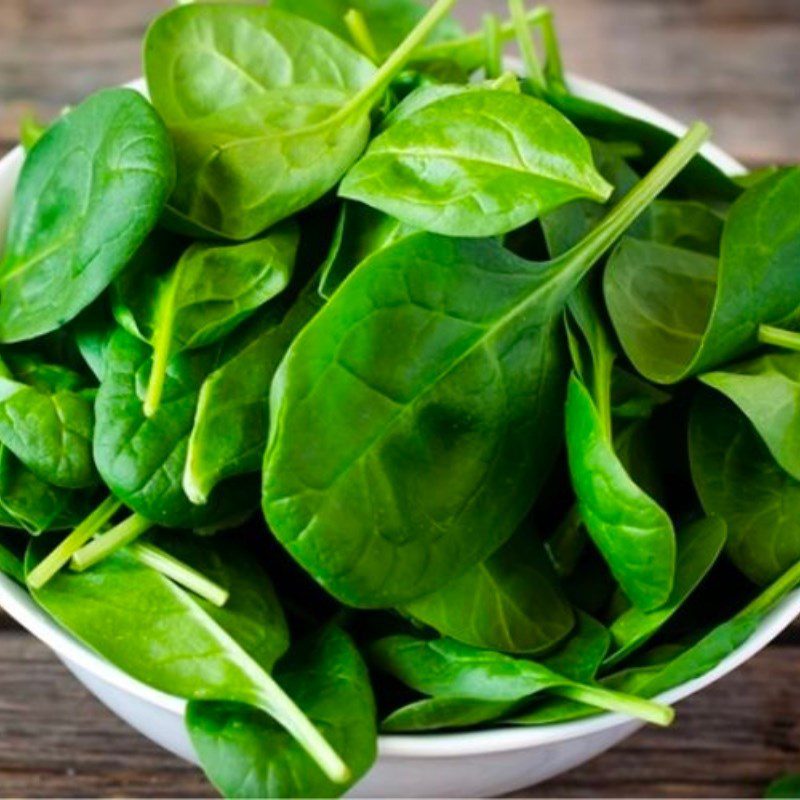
[481, 764]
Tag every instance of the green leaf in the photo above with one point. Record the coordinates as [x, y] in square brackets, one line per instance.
[246, 754]
[678, 313]
[634, 534]
[89, 192]
[267, 110]
[10, 562]
[511, 602]
[142, 459]
[699, 546]
[478, 163]
[445, 668]
[452, 449]
[177, 642]
[360, 232]
[738, 480]
[787, 786]
[767, 391]
[388, 21]
[231, 422]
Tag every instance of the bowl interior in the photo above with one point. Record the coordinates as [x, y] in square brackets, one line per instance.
[17, 603]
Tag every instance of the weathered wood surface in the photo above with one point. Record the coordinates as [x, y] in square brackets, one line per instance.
[729, 741]
[736, 64]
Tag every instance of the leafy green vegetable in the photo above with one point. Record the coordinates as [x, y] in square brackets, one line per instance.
[89, 192]
[445, 668]
[198, 301]
[267, 110]
[246, 754]
[767, 391]
[178, 643]
[787, 786]
[511, 602]
[142, 459]
[478, 163]
[678, 313]
[737, 479]
[452, 448]
[699, 546]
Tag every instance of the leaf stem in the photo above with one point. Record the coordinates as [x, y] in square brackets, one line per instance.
[360, 34]
[108, 543]
[790, 340]
[527, 47]
[92, 525]
[567, 543]
[179, 572]
[628, 704]
[162, 347]
[774, 592]
[581, 258]
[554, 64]
[395, 63]
[494, 52]
[274, 701]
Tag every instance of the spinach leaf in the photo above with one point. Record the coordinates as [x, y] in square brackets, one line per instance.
[581, 655]
[478, 163]
[699, 546]
[388, 21]
[179, 643]
[89, 192]
[738, 480]
[267, 110]
[678, 313]
[453, 448]
[787, 786]
[511, 602]
[229, 434]
[142, 459]
[445, 668]
[767, 391]
[10, 563]
[31, 129]
[361, 231]
[201, 299]
[246, 754]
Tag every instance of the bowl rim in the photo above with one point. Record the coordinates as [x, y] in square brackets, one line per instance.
[21, 607]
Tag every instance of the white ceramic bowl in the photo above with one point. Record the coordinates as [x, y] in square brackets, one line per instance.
[482, 764]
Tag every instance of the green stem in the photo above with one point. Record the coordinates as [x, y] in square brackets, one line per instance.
[526, 46]
[779, 337]
[566, 545]
[447, 50]
[162, 347]
[360, 34]
[108, 543]
[494, 50]
[182, 574]
[554, 65]
[616, 701]
[775, 592]
[278, 705]
[395, 63]
[581, 258]
[92, 525]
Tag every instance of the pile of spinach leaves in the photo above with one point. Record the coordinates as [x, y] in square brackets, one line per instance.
[352, 383]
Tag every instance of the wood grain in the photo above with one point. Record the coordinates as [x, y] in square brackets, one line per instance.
[728, 741]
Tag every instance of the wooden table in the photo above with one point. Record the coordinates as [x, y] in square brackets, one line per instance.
[736, 64]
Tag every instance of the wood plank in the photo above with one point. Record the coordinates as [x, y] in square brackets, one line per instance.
[729, 741]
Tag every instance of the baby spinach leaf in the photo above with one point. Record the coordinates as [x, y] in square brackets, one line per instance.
[580, 656]
[142, 459]
[445, 668]
[247, 754]
[201, 299]
[684, 223]
[388, 21]
[360, 232]
[699, 546]
[452, 449]
[89, 192]
[179, 643]
[267, 110]
[511, 602]
[10, 563]
[787, 786]
[738, 480]
[31, 129]
[767, 391]
[229, 435]
[678, 313]
[478, 163]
